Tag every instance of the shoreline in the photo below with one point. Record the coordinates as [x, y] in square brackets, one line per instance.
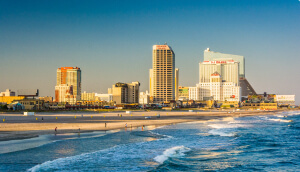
[19, 127]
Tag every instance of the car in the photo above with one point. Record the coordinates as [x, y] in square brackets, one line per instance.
[148, 117]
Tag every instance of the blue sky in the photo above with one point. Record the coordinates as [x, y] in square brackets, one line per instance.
[111, 41]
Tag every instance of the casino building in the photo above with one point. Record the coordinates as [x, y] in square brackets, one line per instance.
[163, 80]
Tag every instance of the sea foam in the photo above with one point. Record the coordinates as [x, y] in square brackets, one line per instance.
[177, 151]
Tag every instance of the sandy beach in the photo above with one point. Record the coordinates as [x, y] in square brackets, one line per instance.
[18, 126]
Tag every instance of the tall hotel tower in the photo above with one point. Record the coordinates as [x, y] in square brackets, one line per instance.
[162, 75]
[68, 85]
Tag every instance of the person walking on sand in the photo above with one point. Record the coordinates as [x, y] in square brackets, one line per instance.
[55, 129]
[126, 125]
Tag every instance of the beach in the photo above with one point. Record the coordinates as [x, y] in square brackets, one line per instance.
[18, 126]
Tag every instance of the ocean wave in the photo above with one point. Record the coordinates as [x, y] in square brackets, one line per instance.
[281, 120]
[228, 125]
[221, 133]
[113, 155]
[177, 151]
[162, 136]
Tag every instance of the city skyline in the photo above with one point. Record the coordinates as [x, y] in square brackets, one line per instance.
[115, 46]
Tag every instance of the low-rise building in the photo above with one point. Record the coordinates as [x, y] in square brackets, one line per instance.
[285, 100]
[125, 92]
[144, 98]
[47, 99]
[183, 93]
[31, 104]
[88, 96]
[7, 93]
[103, 97]
[10, 99]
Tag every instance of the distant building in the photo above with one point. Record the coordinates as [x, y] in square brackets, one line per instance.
[10, 99]
[144, 98]
[63, 93]
[88, 96]
[287, 100]
[162, 75]
[7, 93]
[183, 93]
[194, 93]
[229, 70]
[246, 87]
[46, 99]
[215, 86]
[68, 84]
[218, 90]
[176, 83]
[124, 93]
[29, 104]
[104, 97]
[215, 56]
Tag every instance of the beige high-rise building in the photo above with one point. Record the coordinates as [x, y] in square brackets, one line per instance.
[162, 75]
[68, 77]
[125, 92]
[229, 71]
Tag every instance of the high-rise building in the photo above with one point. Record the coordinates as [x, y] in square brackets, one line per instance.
[218, 80]
[229, 70]
[162, 74]
[68, 84]
[246, 87]
[215, 56]
[125, 92]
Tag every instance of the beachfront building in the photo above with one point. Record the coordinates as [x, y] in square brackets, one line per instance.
[47, 99]
[9, 96]
[7, 93]
[246, 88]
[144, 98]
[104, 97]
[162, 75]
[212, 85]
[125, 93]
[229, 70]
[183, 93]
[68, 85]
[88, 96]
[194, 93]
[176, 83]
[285, 100]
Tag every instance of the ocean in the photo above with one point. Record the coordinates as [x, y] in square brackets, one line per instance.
[253, 143]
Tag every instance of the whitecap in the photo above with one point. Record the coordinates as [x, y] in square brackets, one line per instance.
[221, 133]
[281, 120]
[177, 151]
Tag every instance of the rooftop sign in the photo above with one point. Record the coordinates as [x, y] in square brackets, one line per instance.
[218, 62]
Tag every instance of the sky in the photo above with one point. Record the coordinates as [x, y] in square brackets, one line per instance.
[111, 41]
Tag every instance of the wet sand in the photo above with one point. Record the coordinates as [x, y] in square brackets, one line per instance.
[17, 126]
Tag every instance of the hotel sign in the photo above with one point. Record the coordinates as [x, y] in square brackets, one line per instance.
[219, 61]
[161, 47]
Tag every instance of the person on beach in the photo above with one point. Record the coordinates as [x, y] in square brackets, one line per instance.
[55, 129]
[105, 125]
[126, 125]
